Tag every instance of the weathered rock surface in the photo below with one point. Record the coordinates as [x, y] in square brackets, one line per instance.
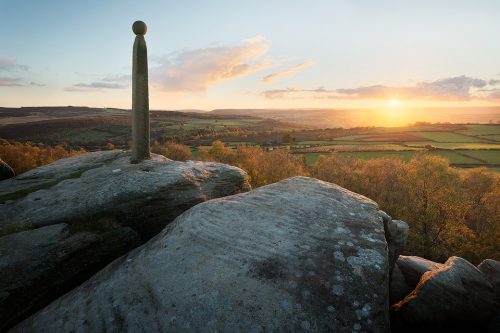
[50, 174]
[38, 265]
[63, 222]
[399, 289]
[491, 270]
[413, 267]
[396, 233]
[298, 255]
[144, 196]
[455, 297]
[6, 171]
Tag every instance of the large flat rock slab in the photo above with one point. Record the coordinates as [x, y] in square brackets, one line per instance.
[298, 255]
[144, 196]
[50, 174]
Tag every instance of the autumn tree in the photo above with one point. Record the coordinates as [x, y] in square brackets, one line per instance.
[25, 156]
[174, 151]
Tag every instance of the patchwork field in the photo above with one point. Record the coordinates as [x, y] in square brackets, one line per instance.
[462, 146]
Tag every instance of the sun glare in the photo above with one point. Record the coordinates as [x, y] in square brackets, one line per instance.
[395, 102]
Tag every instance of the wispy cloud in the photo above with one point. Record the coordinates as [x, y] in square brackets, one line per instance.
[37, 84]
[294, 92]
[94, 86]
[196, 70]
[10, 82]
[286, 72]
[124, 78]
[10, 64]
[460, 88]
[108, 83]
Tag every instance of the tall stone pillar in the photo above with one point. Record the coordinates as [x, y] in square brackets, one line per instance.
[140, 95]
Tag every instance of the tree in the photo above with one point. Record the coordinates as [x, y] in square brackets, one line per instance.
[173, 151]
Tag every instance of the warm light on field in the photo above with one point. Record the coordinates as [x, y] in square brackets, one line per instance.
[392, 114]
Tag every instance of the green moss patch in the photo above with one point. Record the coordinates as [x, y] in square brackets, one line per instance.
[24, 192]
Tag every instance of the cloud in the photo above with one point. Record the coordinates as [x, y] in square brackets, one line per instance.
[196, 70]
[37, 84]
[110, 82]
[9, 64]
[285, 93]
[118, 78]
[10, 82]
[94, 86]
[494, 94]
[286, 72]
[459, 88]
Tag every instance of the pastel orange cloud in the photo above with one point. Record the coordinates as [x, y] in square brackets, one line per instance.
[198, 69]
[289, 71]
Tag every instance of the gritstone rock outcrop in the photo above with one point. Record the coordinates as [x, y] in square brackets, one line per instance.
[61, 223]
[298, 255]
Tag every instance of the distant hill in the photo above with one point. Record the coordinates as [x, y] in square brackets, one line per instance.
[390, 116]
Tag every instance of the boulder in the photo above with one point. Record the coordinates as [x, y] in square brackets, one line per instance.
[38, 265]
[145, 196]
[396, 233]
[298, 255]
[491, 270]
[399, 289]
[62, 222]
[413, 267]
[454, 297]
[6, 171]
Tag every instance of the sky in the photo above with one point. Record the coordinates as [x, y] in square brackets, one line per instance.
[253, 54]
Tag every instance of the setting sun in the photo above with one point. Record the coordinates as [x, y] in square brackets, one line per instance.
[395, 102]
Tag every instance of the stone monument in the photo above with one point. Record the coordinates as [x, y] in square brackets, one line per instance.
[140, 98]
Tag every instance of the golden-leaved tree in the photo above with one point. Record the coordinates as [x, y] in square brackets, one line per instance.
[263, 167]
[25, 156]
[450, 211]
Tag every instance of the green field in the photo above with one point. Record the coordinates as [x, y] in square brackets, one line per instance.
[319, 142]
[495, 137]
[454, 157]
[446, 137]
[355, 147]
[235, 143]
[311, 158]
[455, 145]
[214, 123]
[367, 155]
[490, 156]
[481, 130]
[340, 142]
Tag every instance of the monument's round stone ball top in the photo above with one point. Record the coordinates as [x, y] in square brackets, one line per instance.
[139, 28]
